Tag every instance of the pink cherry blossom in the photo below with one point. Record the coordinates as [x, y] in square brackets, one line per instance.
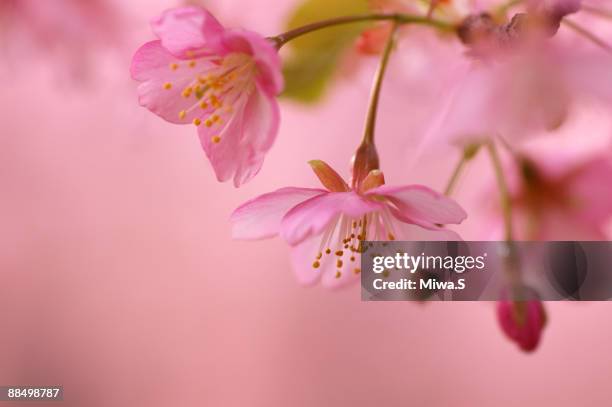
[522, 93]
[224, 81]
[564, 200]
[520, 79]
[559, 198]
[325, 227]
[522, 322]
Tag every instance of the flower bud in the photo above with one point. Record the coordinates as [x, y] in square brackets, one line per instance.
[364, 161]
[522, 321]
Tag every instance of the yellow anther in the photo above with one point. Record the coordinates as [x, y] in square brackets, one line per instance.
[192, 64]
[357, 271]
[203, 104]
[215, 139]
[319, 255]
[208, 123]
[197, 121]
[339, 253]
[316, 265]
[167, 86]
[202, 80]
[187, 92]
[214, 100]
[182, 114]
[339, 263]
[327, 251]
[338, 274]
[174, 66]
[216, 118]
[390, 236]
[352, 258]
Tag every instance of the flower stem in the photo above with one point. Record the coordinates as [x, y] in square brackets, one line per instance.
[366, 156]
[398, 18]
[450, 186]
[506, 205]
[370, 126]
[468, 153]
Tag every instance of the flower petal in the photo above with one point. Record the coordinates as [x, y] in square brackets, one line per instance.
[186, 29]
[415, 233]
[270, 78]
[311, 217]
[421, 205]
[261, 217]
[238, 147]
[303, 256]
[592, 202]
[161, 87]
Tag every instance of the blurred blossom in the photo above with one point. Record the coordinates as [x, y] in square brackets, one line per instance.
[326, 227]
[224, 81]
[560, 198]
[554, 10]
[70, 30]
[522, 322]
[521, 90]
[118, 271]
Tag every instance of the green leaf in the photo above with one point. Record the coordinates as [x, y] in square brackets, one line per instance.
[314, 57]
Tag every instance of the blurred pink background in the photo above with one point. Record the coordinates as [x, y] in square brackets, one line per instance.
[119, 279]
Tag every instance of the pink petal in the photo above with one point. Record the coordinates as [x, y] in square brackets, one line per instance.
[415, 233]
[311, 217]
[151, 65]
[270, 78]
[261, 217]
[555, 8]
[587, 73]
[185, 29]
[593, 203]
[303, 256]
[421, 205]
[244, 139]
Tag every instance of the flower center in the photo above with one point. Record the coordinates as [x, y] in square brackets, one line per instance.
[217, 87]
[344, 239]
